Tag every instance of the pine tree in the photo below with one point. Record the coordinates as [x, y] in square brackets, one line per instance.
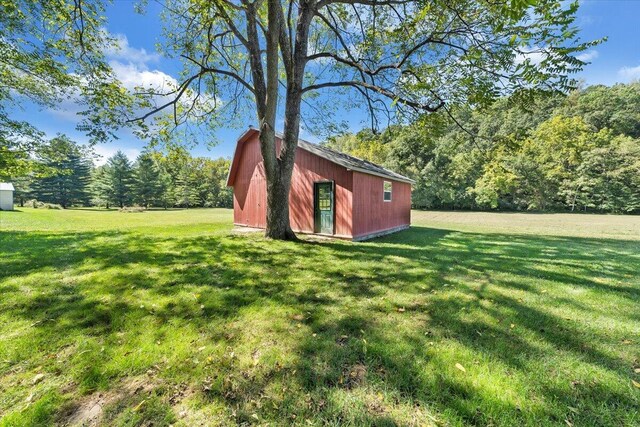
[100, 187]
[120, 179]
[149, 186]
[23, 189]
[68, 182]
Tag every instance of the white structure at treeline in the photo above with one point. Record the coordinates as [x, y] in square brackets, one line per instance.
[6, 196]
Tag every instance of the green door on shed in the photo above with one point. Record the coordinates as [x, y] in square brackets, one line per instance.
[323, 207]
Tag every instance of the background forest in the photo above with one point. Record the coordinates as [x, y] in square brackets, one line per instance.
[579, 152]
[65, 176]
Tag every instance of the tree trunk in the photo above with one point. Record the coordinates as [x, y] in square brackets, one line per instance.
[278, 225]
[278, 163]
[278, 180]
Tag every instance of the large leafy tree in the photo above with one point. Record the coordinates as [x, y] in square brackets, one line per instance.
[397, 57]
[615, 107]
[49, 51]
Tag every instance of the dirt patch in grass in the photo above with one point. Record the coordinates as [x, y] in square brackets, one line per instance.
[90, 410]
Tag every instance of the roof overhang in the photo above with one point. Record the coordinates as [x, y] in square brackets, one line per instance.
[313, 149]
[390, 178]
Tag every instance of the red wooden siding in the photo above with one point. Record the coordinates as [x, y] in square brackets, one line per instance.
[249, 186]
[249, 189]
[308, 169]
[371, 213]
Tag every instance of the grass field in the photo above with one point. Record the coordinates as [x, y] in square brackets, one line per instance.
[169, 318]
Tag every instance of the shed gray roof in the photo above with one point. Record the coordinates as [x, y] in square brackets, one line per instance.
[350, 162]
[6, 186]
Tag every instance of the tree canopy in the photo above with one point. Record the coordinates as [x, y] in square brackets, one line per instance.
[557, 153]
[49, 51]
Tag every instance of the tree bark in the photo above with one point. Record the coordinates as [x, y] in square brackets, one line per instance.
[278, 225]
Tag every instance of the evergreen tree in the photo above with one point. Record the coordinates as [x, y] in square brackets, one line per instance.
[120, 178]
[23, 189]
[149, 185]
[100, 187]
[71, 172]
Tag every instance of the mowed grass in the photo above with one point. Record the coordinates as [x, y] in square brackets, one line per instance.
[169, 318]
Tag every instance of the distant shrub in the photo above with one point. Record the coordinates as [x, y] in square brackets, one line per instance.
[132, 209]
[41, 205]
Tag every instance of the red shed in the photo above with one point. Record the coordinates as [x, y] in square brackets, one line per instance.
[331, 193]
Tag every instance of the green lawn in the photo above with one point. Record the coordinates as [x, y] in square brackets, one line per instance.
[167, 317]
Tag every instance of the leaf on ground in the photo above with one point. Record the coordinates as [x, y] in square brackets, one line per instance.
[38, 378]
[637, 370]
[635, 383]
[626, 342]
[513, 326]
[401, 310]
[459, 366]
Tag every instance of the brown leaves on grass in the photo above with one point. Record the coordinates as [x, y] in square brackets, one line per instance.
[354, 376]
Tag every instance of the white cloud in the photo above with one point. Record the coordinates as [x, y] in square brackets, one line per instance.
[534, 55]
[133, 75]
[123, 52]
[131, 66]
[106, 151]
[588, 56]
[628, 74]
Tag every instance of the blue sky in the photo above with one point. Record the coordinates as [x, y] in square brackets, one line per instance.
[617, 60]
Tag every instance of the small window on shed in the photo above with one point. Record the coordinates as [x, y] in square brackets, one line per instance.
[387, 191]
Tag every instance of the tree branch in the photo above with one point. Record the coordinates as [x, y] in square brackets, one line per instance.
[382, 91]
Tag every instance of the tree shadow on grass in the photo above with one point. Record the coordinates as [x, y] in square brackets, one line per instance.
[384, 318]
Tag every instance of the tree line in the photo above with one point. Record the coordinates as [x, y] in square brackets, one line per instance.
[575, 152]
[66, 176]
